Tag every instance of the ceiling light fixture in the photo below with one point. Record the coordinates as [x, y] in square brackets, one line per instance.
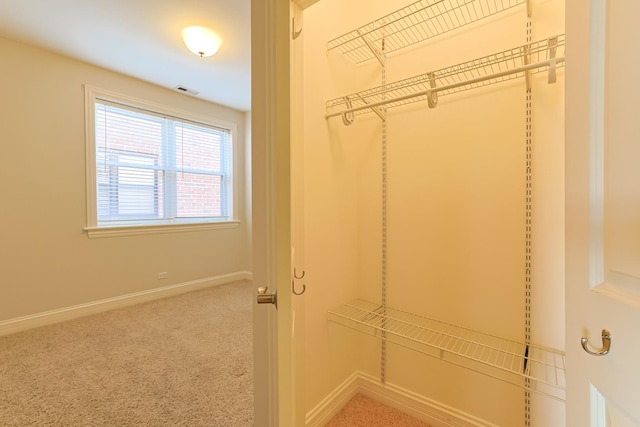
[201, 41]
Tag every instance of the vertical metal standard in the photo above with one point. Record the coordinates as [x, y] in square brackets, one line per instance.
[528, 231]
[383, 302]
[528, 228]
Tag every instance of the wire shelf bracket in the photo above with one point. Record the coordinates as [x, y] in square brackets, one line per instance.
[377, 53]
[415, 23]
[507, 360]
[507, 65]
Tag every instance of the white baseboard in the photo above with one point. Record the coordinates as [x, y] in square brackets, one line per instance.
[60, 315]
[331, 405]
[428, 410]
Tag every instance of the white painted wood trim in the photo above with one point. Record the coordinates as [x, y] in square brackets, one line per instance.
[425, 409]
[140, 230]
[303, 4]
[68, 313]
[333, 403]
[598, 408]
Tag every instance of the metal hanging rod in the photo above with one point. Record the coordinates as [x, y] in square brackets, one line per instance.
[514, 63]
[415, 23]
[449, 87]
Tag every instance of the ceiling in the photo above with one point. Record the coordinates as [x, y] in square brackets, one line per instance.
[141, 38]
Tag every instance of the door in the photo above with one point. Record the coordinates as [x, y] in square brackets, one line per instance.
[277, 199]
[275, 404]
[603, 212]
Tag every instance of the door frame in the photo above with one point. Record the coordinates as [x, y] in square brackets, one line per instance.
[264, 333]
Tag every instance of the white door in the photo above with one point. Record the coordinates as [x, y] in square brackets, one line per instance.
[603, 211]
[275, 402]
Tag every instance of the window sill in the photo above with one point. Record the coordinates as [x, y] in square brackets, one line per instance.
[141, 230]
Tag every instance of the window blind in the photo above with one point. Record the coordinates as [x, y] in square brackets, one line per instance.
[157, 168]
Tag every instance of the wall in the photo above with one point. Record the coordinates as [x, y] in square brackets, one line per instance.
[456, 210]
[48, 262]
[547, 299]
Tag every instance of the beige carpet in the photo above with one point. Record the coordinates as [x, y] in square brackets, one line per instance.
[180, 361]
[362, 411]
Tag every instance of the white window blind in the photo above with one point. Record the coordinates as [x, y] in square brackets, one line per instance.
[153, 168]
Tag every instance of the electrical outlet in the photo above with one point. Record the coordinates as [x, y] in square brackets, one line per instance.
[163, 275]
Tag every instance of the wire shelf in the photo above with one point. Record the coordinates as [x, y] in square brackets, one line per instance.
[501, 358]
[544, 55]
[412, 24]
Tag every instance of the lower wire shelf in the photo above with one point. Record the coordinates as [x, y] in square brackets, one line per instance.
[535, 368]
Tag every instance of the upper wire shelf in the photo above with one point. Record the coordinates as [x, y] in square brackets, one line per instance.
[507, 360]
[544, 55]
[412, 24]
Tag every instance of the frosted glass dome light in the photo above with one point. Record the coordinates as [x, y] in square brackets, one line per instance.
[201, 41]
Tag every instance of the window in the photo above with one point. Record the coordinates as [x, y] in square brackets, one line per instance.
[153, 166]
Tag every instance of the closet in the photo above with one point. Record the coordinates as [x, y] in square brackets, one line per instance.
[431, 225]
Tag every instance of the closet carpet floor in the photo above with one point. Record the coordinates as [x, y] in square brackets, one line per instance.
[362, 411]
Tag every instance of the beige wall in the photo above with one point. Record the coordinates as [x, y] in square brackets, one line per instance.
[47, 261]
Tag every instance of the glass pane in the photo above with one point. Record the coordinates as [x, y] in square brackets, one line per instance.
[199, 195]
[198, 149]
[128, 186]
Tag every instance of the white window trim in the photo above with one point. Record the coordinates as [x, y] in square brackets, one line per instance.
[92, 94]
[136, 230]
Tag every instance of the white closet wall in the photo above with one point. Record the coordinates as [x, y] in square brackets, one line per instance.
[456, 202]
[331, 212]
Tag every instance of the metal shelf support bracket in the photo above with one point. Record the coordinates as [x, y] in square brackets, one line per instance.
[553, 47]
[432, 96]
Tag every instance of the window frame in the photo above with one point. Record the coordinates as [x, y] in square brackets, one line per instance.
[96, 230]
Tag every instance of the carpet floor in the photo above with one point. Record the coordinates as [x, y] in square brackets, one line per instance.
[362, 411]
[179, 361]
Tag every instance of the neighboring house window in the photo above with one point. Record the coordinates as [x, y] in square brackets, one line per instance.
[151, 166]
[126, 192]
